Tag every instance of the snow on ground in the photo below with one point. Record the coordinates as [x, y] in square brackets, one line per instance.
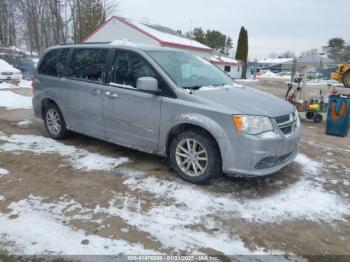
[25, 123]
[318, 82]
[170, 219]
[53, 236]
[12, 100]
[78, 158]
[22, 84]
[4, 172]
[302, 200]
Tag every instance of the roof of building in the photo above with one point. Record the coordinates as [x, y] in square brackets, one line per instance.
[276, 61]
[163, 35]
[223, 60]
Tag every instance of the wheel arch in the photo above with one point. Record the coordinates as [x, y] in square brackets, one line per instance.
[49, 100]
[200, 124]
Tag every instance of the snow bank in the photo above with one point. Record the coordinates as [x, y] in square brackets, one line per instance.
[269, 74]
[11, 101]
[40, 228]
[78, 158]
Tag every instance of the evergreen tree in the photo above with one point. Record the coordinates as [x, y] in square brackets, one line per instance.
[242, 50]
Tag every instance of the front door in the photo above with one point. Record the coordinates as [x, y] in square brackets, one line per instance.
[132, 117]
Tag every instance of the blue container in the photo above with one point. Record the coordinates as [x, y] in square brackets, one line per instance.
[338, 115]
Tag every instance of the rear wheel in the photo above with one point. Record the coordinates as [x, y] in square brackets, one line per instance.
[54, 122]
[346, 79]
[195, 157]
[318, 118]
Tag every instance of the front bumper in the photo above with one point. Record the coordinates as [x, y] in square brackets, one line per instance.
[256, 156]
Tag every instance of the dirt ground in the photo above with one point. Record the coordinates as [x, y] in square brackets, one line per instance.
[141, 206]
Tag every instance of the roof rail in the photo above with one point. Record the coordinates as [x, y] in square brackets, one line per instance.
[87, 43]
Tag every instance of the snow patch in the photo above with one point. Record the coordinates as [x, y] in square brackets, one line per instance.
[25, 123]
[308, 165]
[78, 158]
[53, 236]
[22, 84]
[12, 101]
[2, 199]
[303, 200]
[4, 172]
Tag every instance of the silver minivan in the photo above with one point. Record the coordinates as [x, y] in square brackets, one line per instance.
[166, 102]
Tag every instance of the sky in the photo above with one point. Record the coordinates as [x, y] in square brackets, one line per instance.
[274, 26]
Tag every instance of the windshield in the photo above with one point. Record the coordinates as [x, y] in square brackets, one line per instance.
[190, 71]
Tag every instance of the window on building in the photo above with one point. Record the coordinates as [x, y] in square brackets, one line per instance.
[227, 69]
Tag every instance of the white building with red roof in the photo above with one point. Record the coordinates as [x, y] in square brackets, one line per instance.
[119, 28]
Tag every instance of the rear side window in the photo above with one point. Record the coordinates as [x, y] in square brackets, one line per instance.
[54, 62]
[88, 64]
[128, 67]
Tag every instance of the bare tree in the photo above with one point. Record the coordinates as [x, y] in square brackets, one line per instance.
[38, 24]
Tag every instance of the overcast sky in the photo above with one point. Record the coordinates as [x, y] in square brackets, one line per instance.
[273, 25]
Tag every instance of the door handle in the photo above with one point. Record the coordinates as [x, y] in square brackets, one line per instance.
[95, 92]
[111, 95]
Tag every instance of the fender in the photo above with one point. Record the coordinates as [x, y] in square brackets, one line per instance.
[48, 94]
[199, 120]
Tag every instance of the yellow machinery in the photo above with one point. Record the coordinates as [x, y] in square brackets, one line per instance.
[342, 74]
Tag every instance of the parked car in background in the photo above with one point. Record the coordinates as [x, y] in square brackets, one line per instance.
[27, 67]
[167, 102]
[8, 72]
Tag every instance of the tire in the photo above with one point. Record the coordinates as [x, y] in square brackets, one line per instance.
[310, 115]
[54, 122]
[200, 171]
[318, 118]
[346, 79]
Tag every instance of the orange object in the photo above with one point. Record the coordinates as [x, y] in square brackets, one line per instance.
[314, 107]
[335, 116]
[238, 120]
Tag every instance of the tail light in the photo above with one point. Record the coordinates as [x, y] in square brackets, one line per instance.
[33, 84]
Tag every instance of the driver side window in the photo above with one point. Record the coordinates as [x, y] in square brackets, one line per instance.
[127, 67]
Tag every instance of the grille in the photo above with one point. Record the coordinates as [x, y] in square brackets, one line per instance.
[282, 119]
[287, 123]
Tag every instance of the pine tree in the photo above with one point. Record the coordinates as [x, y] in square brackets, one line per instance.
[242, 50]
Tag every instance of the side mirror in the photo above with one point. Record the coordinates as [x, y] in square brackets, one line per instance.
[147, 84]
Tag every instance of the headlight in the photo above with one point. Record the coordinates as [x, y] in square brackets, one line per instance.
[252, 125]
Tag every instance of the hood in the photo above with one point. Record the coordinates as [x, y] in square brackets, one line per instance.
[244, 100]
[5, 67]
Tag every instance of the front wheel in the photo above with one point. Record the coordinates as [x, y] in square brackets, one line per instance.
[346, 79]
[195, 157]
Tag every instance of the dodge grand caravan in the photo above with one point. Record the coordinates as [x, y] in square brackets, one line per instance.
[167, 102]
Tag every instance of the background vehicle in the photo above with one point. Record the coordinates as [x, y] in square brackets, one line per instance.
[8, 72]
[27, 67]
[167, 102]
[342, 74]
